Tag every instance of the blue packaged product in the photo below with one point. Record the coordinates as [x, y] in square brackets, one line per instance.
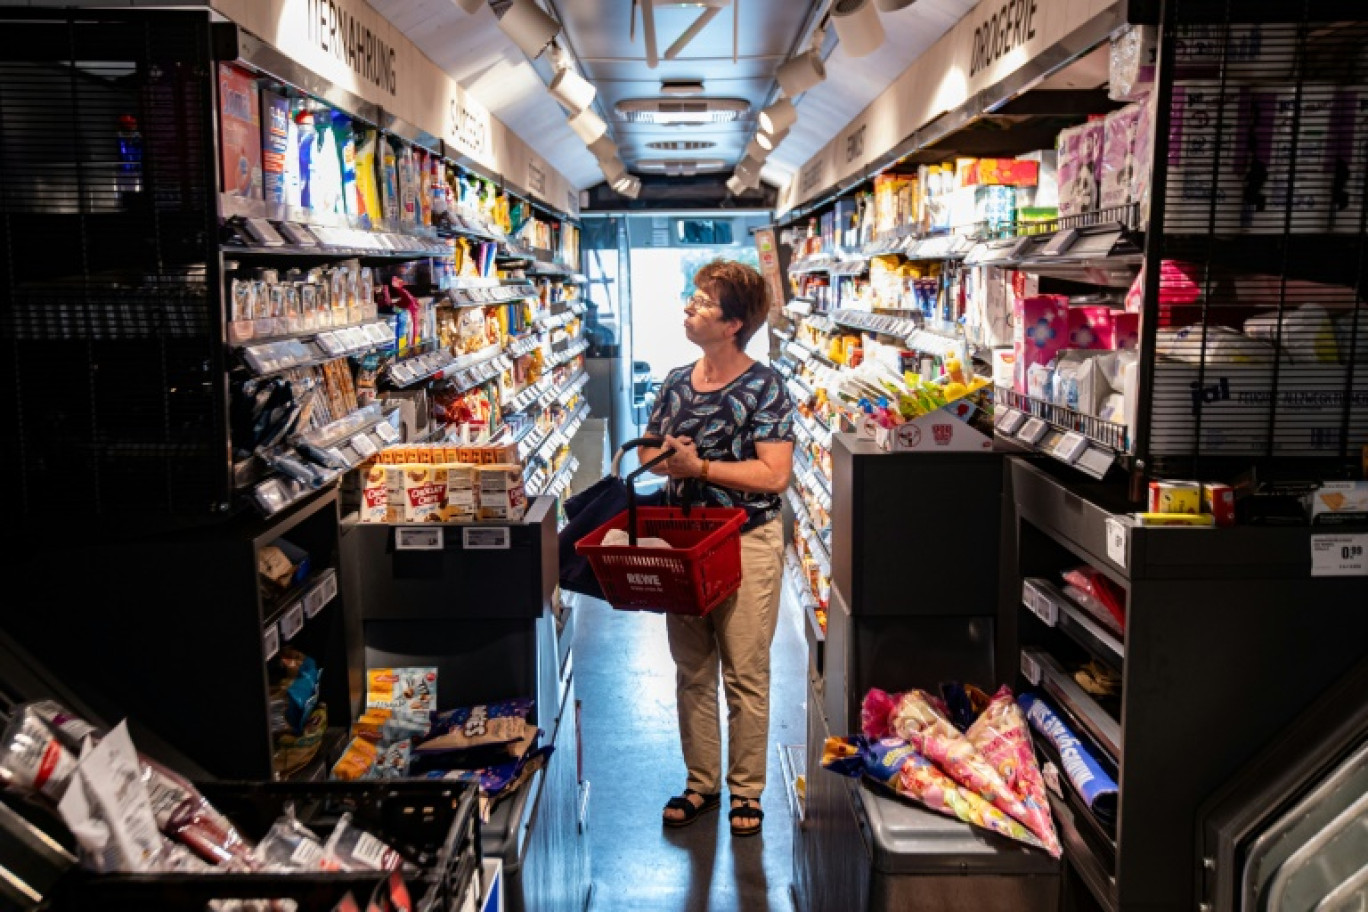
[1098, 790]
[477, 726]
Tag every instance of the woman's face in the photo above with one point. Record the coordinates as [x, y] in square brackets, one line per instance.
[704, 323]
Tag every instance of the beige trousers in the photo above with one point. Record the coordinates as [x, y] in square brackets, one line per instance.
[737, 635]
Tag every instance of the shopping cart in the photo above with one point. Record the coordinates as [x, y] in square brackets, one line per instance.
[700, 569]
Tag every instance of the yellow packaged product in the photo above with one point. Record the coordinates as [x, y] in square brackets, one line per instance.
[461, 500]
[502, 494]
[424, 493]
[375, 495]
[356, 760]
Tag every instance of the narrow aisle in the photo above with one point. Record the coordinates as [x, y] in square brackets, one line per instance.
[625, 680]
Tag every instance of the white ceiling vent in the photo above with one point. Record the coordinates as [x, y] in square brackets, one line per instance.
[674, 112]
[680, 145]
[679, 167]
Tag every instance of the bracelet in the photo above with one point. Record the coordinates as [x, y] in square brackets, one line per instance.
[703, 472]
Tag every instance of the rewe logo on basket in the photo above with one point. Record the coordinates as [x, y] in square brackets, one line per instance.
[644, 579]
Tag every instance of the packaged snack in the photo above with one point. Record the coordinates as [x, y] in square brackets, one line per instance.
[32, 759]
[477, 726]
[425, 492]
[502, 494]
[1175, 497]
[290, 845]
[356, 761]
[1100, 590]
[375, 496]
[410, 690]
[1098, 790]
[392, 762]
[350, 848]
[107, 809]
[1001, 735]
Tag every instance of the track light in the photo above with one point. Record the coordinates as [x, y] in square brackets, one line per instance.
[529, 27]
[472, 6]
[858, 26]
[770, 143]
[736, 185]
[748, 179]
[572, 90]
[628, 186]
[613, 170]
[778, 117]
[748, 169]
[603, 148]
[889, 6]
[756, 151]
[801, 72]
[588, 126]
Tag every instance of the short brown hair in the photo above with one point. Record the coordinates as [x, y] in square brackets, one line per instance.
[740, 291]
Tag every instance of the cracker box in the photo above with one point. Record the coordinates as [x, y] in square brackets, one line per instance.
[375, 496]
[1007, 172]
[502, 496]
[461, 499]
[1125, 331]
[406, 690]
[425, 493]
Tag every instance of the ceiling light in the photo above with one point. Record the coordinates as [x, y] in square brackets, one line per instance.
[748, 179]
[858, 26]
[669, 112]
[529, 27]
[801, 73]
[778, 117]
[768, 142]
[889, 6]
[628, 186]
[681, 145]
[588, 126]
[603, 148]
[472, 6]
[736, 185]
[680, 166]
[749, 168]
[682, 87]
[572, 90]
[756, 151]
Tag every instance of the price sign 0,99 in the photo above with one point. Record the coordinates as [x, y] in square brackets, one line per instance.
[1339, 555]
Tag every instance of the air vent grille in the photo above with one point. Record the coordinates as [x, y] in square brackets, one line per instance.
[675, 112]
[680, 145]
[680, 167]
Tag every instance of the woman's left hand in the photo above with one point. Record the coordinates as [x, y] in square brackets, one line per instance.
[684, 462]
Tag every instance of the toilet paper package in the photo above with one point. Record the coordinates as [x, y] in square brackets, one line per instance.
[1313, 145]
[1207, 157]
[1119, 163]
[1080, 151]
[1244, 51]
[1040, 331]
[1133, 55]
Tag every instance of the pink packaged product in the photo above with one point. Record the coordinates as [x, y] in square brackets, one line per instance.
[1040, 330]
[1080, 165]
[1091, 327]
[1207, 159]
[1119, 163]
[1143, 155]
[1125, 331]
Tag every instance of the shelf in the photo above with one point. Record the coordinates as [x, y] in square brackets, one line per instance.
[1041, 669]
[439, 364]
[558, 483]
[557, 437]
[1080, 853]
[337, 235]
[1090, 445]
[489, 295]
[570, 353]
[469, 227]
[1056, 610]
[875, 323]
[339, 437]
[266, 358]
[245, 333]
[829, 264]
[792, 765]
[329, 749]
[293, 609]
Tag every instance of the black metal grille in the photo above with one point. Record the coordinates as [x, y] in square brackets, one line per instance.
[1257, 316]
[110, 325]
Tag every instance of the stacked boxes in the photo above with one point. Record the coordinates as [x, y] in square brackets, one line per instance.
[438, 484]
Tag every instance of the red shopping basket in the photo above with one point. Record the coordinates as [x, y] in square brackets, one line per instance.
[700, 569]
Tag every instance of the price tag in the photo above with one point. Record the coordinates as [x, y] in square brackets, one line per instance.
[487, 538]
[1060, 242]
[1010, 420]
[270, 642]
[1339, 555]
[1117, 538]
[1032, 431]
[364, 445]
[1095, 462]
[418, 538]
[338, 456]
[292, 621]
[386, 432]
[1045, 609]
[313, 601]
[328, 586]
[401, 374]
[1030, 669]
[1070, 447]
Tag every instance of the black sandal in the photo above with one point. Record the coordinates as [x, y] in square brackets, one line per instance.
[749, 807]
[691, 811]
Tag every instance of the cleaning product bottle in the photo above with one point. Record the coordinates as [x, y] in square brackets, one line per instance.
[130, 178]
[346, 147]
[389, 181]
[304, 120]
[367, 190]
[326, 164]
[293, 182]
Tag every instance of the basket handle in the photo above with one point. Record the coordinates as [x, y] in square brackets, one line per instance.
[632, 476]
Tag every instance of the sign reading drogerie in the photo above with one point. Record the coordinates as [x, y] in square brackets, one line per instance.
[1007, 27]
[337, 31]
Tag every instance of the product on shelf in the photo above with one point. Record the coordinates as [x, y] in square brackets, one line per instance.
[1097, 789]
[471, 727]
[1097, 594]
[239, 132]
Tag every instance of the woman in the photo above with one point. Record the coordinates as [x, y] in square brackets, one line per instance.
[729, 421]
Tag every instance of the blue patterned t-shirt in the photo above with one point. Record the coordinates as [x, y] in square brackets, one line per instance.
[725, 425]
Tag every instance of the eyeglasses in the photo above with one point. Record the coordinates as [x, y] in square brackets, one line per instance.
[700, 301]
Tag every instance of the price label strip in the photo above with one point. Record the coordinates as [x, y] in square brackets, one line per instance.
[270, 642]
[487, 538]
[1117, 539]
[418, 538]
[292, 621]
[1030, 669]
[1339, 555]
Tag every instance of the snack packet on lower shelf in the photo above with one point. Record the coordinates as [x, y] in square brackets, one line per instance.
[291, 846]
[900, 766]
[351, 848]
[1001, 735]
[477, 726]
